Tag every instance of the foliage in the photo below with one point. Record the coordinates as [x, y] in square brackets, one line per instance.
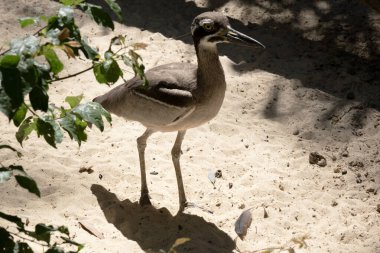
[27, 70]
[31, 64]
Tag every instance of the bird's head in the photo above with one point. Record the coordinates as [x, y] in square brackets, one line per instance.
[210, 28]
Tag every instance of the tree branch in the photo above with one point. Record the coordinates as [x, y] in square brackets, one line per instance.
[72, 75]
[30, 109]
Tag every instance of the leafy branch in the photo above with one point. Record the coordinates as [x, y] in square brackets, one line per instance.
[32, 64]
[27, 69]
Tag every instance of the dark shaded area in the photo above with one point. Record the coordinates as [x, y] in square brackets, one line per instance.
[338, 54]
[155, 229]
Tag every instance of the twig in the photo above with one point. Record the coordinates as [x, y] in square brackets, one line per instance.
[30, 109]
[72, 75]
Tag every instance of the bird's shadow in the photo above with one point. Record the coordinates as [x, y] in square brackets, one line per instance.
[156, 229]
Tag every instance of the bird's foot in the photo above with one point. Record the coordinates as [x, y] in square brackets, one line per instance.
[186, 205]
[145, 200]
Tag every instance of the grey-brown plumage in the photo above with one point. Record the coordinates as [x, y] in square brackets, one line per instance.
[180, 95]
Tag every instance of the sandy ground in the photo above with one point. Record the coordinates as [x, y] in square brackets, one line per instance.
[314, 89]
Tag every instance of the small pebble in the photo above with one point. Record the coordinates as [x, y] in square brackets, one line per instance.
[315, 158]
[344, 172]
[370, 190]
[296, 132]
[334, 203]
[230, 185]
[356, 164]
[337, 170]
[378, 208]
[218, 204]
[100, 176]
[218, 174]
[242, 206]
[154, 173]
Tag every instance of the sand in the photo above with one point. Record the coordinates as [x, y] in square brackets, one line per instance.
[314, 89]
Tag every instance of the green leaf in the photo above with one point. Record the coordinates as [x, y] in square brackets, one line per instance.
[56, 65]
[47, 130]
[74, 100]
[9, 61]
[92, 112]
[127, 61]
[24, 22]
[39, 98]
[19, 115]
[108, 55]
[5, 103]
[115, 8]
[74, 127]
[71, 2]
[117, 40]
[98, 15]
[13, 87]
[58, 135]
[25, 129]
[88, 51]
[14, 219]
[28, 183]
[99, 73]
[138, 68]
[28, 46]
[66, 16]
[111, 70]
[30, 75]
[5, 174]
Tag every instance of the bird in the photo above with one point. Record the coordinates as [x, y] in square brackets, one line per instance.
[179, 96]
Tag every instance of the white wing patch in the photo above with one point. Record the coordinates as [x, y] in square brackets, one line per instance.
[180, 118]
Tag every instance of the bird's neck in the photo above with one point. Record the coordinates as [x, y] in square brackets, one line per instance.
[210, 70]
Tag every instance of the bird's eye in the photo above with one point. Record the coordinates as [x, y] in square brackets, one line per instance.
[208, 26]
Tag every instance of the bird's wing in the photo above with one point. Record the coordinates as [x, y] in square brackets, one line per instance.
[168, 97]
[171, 84]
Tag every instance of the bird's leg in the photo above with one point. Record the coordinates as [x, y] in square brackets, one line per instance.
[176, 154]
[141, 145]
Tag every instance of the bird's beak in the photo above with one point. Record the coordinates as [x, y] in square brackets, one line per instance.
[237, 37]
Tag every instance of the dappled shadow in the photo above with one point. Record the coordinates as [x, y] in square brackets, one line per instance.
[332, 46]
[155, 229]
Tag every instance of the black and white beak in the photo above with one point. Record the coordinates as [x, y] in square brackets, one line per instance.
[237, 37]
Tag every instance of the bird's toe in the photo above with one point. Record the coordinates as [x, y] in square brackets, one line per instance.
[186, 205]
